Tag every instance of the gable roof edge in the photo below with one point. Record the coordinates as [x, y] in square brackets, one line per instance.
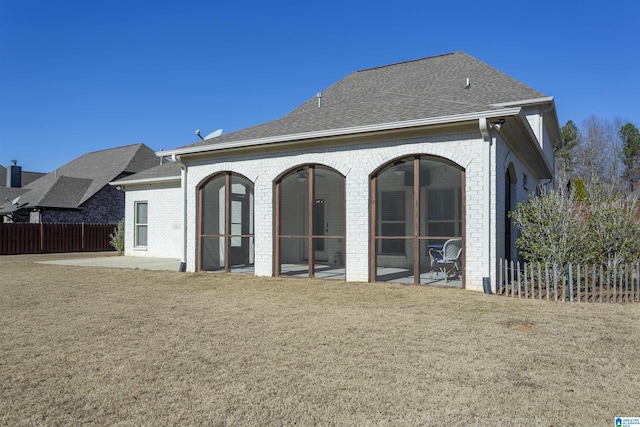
[342, 131]
[124, 183]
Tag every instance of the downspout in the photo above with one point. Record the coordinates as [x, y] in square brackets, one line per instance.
[183, 183]
[486, 210]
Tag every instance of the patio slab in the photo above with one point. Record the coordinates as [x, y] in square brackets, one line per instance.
[137, 263]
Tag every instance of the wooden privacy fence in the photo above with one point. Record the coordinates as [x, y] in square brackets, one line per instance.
[574, 283]
[21, 238]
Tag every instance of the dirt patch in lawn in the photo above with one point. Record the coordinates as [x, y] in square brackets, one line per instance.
[100, 346]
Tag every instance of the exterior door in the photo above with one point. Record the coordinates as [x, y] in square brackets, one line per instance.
[319, 230]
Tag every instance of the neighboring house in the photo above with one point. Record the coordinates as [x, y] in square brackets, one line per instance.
[363, 179]
[78, 192]
[12, 178]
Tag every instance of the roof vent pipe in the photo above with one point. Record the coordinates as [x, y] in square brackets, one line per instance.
[319, 96]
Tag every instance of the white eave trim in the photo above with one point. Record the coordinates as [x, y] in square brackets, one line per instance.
[123, 183]
[342, 131]
[525, 102]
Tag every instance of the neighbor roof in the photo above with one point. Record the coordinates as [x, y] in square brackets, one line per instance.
[27, 177]
[74, 183]
[420, 89]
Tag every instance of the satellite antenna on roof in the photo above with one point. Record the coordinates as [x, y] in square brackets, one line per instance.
[211, 135]
[14, 201]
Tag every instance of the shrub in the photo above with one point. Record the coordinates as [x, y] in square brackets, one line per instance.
[556, 228]
[116, 239]
[549, 227]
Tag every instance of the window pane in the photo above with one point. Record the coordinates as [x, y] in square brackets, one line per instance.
[141, 235]
[141, 213]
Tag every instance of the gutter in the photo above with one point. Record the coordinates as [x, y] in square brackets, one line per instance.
[525, 102]
[329, 133]
[486, 202]
[183, 183]
[124, 183]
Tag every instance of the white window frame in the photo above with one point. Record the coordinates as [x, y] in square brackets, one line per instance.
[137, 225]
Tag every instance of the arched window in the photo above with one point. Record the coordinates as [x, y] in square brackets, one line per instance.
[417, 206]
[310, 223]
[225, 231]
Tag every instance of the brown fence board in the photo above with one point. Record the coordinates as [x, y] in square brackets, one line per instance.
[16, 239]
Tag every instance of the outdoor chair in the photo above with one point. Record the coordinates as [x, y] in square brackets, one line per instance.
[447, 260]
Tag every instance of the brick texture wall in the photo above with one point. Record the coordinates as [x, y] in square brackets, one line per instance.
[356, 162]
[164, 226]
[105, 207]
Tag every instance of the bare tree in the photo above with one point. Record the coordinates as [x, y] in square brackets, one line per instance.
[599, 153]
[590, 152]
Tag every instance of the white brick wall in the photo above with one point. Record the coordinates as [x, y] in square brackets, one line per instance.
[164, 227]
[356, 163]
[504, 158]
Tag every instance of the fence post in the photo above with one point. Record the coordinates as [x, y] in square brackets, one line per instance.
[626, 282]
[555, 282]
[570, 282]
[499, 284]
[601, 283]
[578, 282]
[540, 280]
[608, 284]
[635, 278]
[533, 286]
[513, 277]
[546, 277]
[615, 283]
[519, 284]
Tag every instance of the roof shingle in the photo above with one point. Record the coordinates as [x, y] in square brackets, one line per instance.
[424, 88]
[74, 183]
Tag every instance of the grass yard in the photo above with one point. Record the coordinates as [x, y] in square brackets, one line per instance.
[101, 346]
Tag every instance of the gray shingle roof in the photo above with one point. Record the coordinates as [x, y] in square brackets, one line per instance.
[27, 177]
[74, 183]
[66, 192]
[420, 89]
[165, 170]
